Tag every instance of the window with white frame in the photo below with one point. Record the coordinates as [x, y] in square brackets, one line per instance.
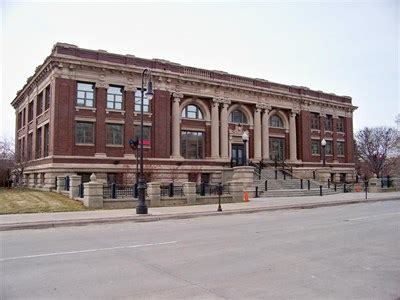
[115, 97]
[315, 147]
[192, 112]
[85, 94]
[114, 134]
[340, 148]
[138, 99]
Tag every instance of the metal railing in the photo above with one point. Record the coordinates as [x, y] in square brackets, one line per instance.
[208, 189]
[118, 191]
[171, 190]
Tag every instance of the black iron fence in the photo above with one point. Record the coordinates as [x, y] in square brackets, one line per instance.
[66, 184]
[118, 191]
[208, 189]
[171, 190]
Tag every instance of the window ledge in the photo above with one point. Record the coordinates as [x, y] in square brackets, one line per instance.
[342, 156]
[80, 144]
[277, 127]
[108, 110]
[137, 113]
[192, 119]
[77, 108]
[115, 146]
[316, 155]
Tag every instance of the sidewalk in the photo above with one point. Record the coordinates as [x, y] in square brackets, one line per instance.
[48, 220]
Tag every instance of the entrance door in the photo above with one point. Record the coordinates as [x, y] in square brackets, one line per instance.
[237, 154]
[277, 148]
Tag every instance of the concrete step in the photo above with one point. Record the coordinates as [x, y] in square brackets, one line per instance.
[296, 193]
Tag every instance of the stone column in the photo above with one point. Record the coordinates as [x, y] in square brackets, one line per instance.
[176, 128]
[257, 133]
[49, 182]
[224, 135]
[93, 191]
[215, 129]
[245, 175]
[74, 182]
[292, 136]
[60, 183]
[236, 190]
[154, 192]
[189, 189]
[265, 134]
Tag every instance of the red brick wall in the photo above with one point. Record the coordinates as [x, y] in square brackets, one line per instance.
[161, 130]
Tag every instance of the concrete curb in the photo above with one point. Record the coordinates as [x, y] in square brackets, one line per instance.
[151, 218]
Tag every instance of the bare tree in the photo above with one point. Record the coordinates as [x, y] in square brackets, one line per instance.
[378, 149]
[11, 164]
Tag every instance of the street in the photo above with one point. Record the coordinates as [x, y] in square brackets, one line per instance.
[342, 252]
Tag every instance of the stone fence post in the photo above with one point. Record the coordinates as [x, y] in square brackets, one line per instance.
[245, 175]
[189, 190]
[373, 186]
[74, 182]
[60, 183]
[154, 192]
[236, 190]
[93, 193]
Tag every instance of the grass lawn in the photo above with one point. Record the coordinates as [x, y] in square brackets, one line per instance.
[22, 200]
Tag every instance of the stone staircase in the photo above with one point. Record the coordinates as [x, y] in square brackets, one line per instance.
[288, 187]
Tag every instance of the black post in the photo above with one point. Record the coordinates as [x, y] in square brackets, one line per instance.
[284, 175]
[388, 181]
[313, 174]
[320, 190]
[135, 191]
[276, 163]
[344, 187]
[219, 196]
[301, 183]
[382, 183]
[245, 153]
[81, 190]
[266, 185]
[171, 189]
[276, 174]
[356, 178]
[366, 189]
[308, 184]
[329, 183]
[113, 191]
[335, 186]
[256, 191]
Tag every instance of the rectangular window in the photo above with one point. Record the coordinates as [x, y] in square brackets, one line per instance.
[138, 99]
[46, 140]
[85, 94]
[146, 134]
[24, 116]
[114, 134]
[84, 133]
[47, 98]
[340, 124]
[39, 104]
[328, 123]
[192, 144]
[314, 118]
[30, 111]
[20, 120]
[340, 148]
[315, 144]
[29, 150]
[114, 97]
[38, 148]
[328, 148]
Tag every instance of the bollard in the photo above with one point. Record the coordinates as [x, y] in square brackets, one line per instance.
[276, 174]
[135, 191]
[320, 190]
[344, 188]
[329, 183]
[171, 189]
[382, 183]
[335, 187]
[81, 191]
[256, 191]
[113, 191]
[301, 183]
[356, 178]
[284, 175]
[388, 181]
[308, 184]
[366, 189]
[313, 175]
[266, 185]
[219, 196]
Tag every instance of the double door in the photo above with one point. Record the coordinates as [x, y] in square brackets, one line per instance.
[237, 154]
[277, 148]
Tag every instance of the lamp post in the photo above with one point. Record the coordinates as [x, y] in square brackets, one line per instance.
[141, 208]
[245, 138]
[323, 144]
[134, 144]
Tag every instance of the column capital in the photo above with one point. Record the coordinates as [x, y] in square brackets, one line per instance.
[177, 96]
[129, 88]
[294, 112]
[264, 106]
[221, 100]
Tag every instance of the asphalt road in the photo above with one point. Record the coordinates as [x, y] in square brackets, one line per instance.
[345, 252]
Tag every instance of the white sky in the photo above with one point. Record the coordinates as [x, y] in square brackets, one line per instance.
[344, 47]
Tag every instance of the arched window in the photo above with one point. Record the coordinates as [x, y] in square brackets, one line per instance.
[275, 121]
[237, 116]
[192, 112]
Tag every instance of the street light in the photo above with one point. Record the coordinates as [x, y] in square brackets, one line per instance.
[245, 138]
[141, 208]
[323, 144]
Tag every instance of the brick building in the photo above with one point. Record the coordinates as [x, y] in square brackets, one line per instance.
[76, 114]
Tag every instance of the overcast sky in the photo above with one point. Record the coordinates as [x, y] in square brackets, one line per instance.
[342, 47]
